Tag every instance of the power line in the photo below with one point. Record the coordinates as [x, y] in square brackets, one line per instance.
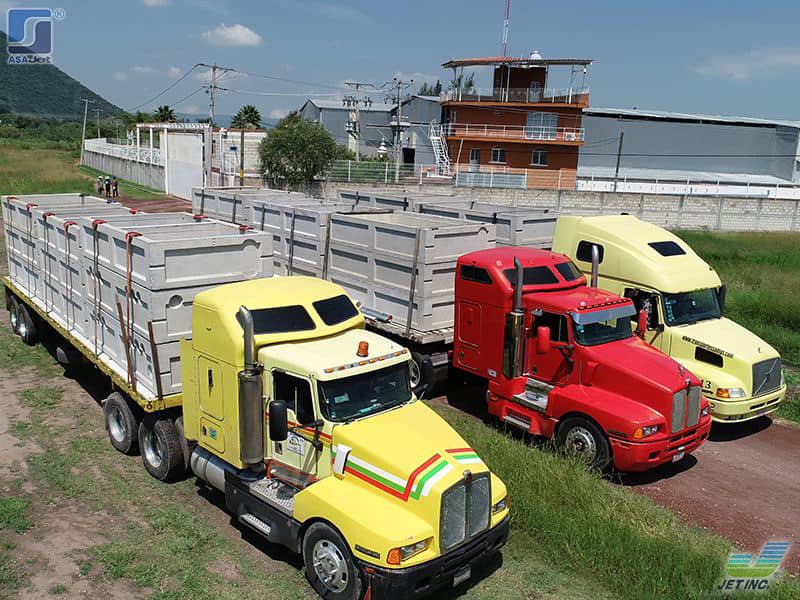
[198, 90]
[168, 88]
[285, 80]
[257, 93]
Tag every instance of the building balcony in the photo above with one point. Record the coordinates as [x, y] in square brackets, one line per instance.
[517, 133]
[572, 96]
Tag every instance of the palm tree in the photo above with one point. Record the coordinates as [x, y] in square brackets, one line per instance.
[248, 117]
[464, 84]
[164, 114]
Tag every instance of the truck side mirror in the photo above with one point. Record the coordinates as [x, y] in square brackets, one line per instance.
[641, 323]
[721, 293]
[542, 340]
[278, 421]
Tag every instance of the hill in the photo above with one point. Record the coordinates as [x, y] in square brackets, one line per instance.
[44, 90]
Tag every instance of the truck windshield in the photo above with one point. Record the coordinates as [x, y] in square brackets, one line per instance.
[691, 307]
[366, 394]
[603, 326]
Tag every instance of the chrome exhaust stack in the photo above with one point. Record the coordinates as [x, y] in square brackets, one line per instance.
[595, 265]
[251, 400]
[513, 354]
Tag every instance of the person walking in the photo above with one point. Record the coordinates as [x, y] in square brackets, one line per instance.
[114, 187]
[108, 186]
[100, 185]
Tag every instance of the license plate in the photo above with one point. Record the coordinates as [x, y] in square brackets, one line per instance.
[462, 575]
[678, 456]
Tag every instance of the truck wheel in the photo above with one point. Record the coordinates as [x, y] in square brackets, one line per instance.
[27, 326]
[330, 568]
[582, 438]
[13, 314]
[122, 424]
[160, 444]
[421, 373]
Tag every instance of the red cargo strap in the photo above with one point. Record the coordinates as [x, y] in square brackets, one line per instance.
[30, 205]
[243, 228]
[47, 214]
[134, 211]
[97, 222]
[199, 217]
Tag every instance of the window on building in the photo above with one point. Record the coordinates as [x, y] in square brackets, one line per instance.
[539, 157]
[541, 126]
[498, 154]
[475, 156]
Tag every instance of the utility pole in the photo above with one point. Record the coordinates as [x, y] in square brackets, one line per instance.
[86, 103]
[353, 126]
[619, 158]
[241, 159]
[212, 87]
[97, 112]
[398, 127]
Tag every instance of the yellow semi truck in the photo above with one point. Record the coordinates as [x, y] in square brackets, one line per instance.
[685, 300]
[307, 423]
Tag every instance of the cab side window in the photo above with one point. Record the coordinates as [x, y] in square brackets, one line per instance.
[296, 392]
[556, 323]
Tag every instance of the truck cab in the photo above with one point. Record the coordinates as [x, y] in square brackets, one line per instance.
[307, 423]
[684, 300]
[562, 362]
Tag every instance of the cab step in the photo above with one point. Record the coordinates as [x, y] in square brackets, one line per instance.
[535, 396]
[518, 422]
[274, 492]
[255, 523]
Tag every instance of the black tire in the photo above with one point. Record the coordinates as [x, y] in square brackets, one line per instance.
[13, 314]
[421, 373]
[27, 328]
[122, 424]
[187, 451]
[160, 445]
[332, 555]
[582, 437]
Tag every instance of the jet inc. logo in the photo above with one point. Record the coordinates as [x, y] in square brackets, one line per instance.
[747, 573]
[30, 34]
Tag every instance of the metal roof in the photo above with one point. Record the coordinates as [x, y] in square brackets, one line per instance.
[519, 61]
[675, 116]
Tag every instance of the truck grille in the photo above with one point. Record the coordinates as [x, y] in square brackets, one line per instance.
[678, 411]
[465, 511]
[766, 376]
[693, 408]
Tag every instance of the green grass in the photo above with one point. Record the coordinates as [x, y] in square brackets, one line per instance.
[126, 188]
[13, 517]
[12, 514]
[573, 519]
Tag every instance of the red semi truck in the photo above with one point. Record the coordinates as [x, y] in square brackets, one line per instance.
[562, 362]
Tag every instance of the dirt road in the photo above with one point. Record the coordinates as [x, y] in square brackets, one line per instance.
[743, 484]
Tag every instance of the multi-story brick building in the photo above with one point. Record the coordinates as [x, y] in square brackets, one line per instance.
[521, 129]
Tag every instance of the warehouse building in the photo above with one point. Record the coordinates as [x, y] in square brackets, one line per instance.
[668, 146]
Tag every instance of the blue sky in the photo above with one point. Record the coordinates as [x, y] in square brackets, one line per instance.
[704, 56]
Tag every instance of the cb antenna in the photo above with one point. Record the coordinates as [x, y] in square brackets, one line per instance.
[505, 28]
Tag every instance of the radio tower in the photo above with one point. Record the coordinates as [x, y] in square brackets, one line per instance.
[505, 28]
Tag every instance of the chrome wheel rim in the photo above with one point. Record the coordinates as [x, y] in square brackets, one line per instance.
[580, 442]
[22, 326]
[116, 424]
[14, 315]
[415, 374]
[330, 566]
[152, 449]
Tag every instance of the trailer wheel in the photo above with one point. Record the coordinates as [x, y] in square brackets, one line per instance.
[581, 437]
[330, 568]
[13, 314]
[421, 373]
[160, 444]
[27, 326]
[122, 424]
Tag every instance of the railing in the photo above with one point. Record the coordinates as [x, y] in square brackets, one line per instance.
[689, 187]
[374, 171]
[531, 95]
[493, 176]
[141, 154]
[516, 132]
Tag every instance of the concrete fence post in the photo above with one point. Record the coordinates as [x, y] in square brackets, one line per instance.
[719, 213]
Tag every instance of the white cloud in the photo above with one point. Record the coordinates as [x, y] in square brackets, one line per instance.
[277, 113]
[120, 76]
[232, 35]
[745, 65]
[146, 70]
[156, 2]
[173, 72]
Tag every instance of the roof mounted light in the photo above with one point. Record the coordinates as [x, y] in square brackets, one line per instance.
[363, 349]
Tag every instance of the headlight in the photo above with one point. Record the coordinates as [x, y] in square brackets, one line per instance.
[500, 506]
[398, 555]
[705, 410]
[730, 393]
[646, 431]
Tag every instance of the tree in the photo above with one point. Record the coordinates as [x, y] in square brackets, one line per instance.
[164, 114]
[427, 89]
[248, 117]
[296, 151]
[460, 82]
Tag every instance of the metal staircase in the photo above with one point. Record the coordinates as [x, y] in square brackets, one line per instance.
[436, 135]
